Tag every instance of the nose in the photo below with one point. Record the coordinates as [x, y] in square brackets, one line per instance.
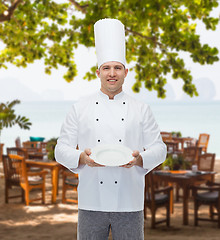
[112, 72]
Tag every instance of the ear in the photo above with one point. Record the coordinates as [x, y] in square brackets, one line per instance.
[98, 72]
[126, 72]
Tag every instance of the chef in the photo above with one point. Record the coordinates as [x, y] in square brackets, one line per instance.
[110, 197]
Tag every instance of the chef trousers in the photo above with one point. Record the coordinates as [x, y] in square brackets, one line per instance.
[95, 225]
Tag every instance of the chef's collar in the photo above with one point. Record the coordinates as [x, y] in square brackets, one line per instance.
[118, 96]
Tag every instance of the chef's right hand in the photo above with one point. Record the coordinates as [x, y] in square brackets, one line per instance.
[86, 160]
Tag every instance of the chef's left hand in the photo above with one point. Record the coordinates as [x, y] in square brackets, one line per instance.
[138, 161]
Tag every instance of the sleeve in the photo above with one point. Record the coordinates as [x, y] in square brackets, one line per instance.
[65, 150]
[155, 149]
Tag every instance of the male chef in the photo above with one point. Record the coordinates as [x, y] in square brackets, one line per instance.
[110, 197]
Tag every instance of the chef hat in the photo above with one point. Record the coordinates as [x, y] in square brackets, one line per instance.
[109, 41]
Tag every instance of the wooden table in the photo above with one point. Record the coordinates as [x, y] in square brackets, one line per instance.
[35, 155]
[54, 168]
[185, 179]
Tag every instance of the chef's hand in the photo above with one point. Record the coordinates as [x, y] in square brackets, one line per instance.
[138, 161]
[86, 160]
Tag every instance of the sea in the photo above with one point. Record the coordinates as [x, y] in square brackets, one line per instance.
[189, 118]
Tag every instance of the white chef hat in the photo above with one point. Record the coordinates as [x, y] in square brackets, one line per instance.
[109, 41]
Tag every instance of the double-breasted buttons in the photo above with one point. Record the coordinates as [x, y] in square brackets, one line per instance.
[97, 119]
[98, 140]
[122, 119]
[113, 112]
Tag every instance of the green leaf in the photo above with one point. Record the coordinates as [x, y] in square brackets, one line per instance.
[156, 32]
[8, 118]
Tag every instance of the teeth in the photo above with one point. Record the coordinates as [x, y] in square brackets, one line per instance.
[112, 80]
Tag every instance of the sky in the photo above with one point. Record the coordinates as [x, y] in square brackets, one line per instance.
[32, 84]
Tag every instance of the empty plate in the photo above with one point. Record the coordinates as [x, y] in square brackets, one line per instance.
[111, 155]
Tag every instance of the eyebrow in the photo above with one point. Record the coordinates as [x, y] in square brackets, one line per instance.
[113, 66]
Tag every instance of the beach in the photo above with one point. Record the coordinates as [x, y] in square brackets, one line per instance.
[189, 118]
[59, 221]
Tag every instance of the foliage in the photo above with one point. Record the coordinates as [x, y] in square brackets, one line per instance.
[50, 148]
[157, 31]
[8, 118]
[176, 162]
[176, 134]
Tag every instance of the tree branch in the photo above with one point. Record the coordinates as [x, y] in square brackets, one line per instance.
[153, 39]
[6, 16]
[79, 7]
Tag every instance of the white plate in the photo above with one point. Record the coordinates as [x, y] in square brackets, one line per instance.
[111, 155]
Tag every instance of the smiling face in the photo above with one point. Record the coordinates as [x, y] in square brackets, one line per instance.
[112, 75]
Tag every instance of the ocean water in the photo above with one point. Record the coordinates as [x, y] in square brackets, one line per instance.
[190, 119]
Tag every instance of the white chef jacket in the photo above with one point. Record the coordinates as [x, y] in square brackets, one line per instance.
[98, 120]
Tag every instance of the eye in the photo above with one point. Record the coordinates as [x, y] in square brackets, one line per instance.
[105, 68]
[118, 67]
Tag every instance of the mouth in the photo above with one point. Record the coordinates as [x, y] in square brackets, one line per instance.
[112, 80]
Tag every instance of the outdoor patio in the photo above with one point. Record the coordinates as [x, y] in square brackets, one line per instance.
[59, 221]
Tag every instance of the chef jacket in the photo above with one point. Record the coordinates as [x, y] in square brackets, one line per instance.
[95, 120]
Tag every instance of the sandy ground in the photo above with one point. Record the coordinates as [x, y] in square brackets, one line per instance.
[59, 221]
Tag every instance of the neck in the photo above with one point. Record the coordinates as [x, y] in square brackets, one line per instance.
[111, 95]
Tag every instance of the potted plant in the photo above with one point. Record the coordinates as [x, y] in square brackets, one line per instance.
[176, 162]
[50, 148]
[176, 134]
[8, 118]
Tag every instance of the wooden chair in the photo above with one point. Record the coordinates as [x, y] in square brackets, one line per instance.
[70, 181]
[156, 198]
[203, 141]
[18, 142]
[191, 155]
[207, 195]
[166, 136]
[172, 146]
[17, 151]
[206, 162]
[24, 153]
[28, 180]
[35, 150]
[43, 146]
[12, 179]
[1, 151]
[32, 147]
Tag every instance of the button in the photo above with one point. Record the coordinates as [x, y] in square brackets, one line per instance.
[122, 119]
[97, 119]
[116, 182]
[119, 140]
[101, 182]
[96, 103]
[123, 102]
[99, 140]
